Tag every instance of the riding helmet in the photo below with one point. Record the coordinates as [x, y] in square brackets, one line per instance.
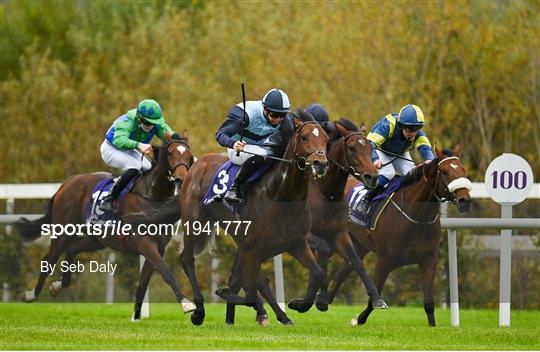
[411, 115]
[150, 111]
[318, 112]
[276, 100]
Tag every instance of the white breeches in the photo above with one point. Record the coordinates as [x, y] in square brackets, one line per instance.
[239, 160]
[123, 159]
[394, 165]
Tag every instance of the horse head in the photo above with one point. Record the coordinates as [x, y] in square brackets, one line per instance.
[179, 158]
[307, 146]
[356, 152]
[452, 183]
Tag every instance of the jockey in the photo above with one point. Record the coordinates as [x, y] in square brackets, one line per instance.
[396, 134]
[263, 118]
[127, 140]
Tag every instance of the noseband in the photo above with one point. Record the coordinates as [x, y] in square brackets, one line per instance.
[450, 187]
[301, 161]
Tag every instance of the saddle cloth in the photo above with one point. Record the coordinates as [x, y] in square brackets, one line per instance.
[378, 203]
[102, 189]
[223, 180]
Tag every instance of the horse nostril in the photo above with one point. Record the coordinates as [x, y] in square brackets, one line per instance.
[367, 176]
[464, 204]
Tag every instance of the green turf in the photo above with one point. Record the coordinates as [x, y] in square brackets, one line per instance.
[99, 326]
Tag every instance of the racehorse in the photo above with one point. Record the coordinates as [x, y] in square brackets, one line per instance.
[409, 228]
[349, 154]
[68, 206]
[275, 218]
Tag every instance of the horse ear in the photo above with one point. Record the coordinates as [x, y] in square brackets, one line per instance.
[185, 135]
[438, 152]
[342, 130]
[457, 149]
[363, 128]
[296, 121]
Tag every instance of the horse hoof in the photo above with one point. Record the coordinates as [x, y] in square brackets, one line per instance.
[197, 318]
[55, 288]
[323, 307]
[288, 323]
[223, 292]
[299, 305]
[262, 320]
[135, 320]
[188, 306]
[28, 296]
[380, 304]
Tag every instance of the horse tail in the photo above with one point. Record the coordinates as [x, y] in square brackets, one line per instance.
[203, 245]
[167, 212]
[31, 229]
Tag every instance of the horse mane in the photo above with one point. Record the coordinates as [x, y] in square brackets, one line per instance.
[333, 133]
[416, 174]
[286, 128]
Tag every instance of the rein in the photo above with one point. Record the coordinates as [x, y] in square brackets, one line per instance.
[349, 170]
[450, 187]
[296, 160]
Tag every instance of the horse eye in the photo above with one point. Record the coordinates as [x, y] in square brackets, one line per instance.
[304, 138]
[445, 173]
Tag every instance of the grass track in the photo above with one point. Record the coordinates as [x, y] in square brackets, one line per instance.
[68, 326]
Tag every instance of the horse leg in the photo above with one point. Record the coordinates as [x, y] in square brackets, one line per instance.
[144, 278]
[86, 244]
[266, 292]
[382, 269]
[187, 259]
[302, 252]
[428, 269]
[343, 245]
[342, 272]
[57, 247]
[149, 249]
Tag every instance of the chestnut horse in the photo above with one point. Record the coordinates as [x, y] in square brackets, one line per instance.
[68, 206]
[409, 228]
[274, 220]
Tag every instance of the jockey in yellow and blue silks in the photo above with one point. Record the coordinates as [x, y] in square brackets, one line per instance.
[397, 134]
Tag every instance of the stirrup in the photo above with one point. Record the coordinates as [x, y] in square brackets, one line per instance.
[233, 195]
[107, 205]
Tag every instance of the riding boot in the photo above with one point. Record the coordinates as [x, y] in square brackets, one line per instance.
[119, 184]
[251, 165]
[363, 207]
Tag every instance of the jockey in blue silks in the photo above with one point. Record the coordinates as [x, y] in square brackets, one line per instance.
[397, 134]
[263, 119]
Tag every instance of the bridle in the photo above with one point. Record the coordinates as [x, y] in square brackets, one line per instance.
[300, 161]
[170, 169]
[450, 187]
[350, 169]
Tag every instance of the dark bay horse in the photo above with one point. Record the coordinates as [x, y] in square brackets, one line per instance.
[68, 206]
[409, 228]
[275, 218]
[349, 154]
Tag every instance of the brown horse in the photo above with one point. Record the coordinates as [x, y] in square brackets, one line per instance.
[69, 204]
[350, 154]
[275, 219]
[409, 229]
